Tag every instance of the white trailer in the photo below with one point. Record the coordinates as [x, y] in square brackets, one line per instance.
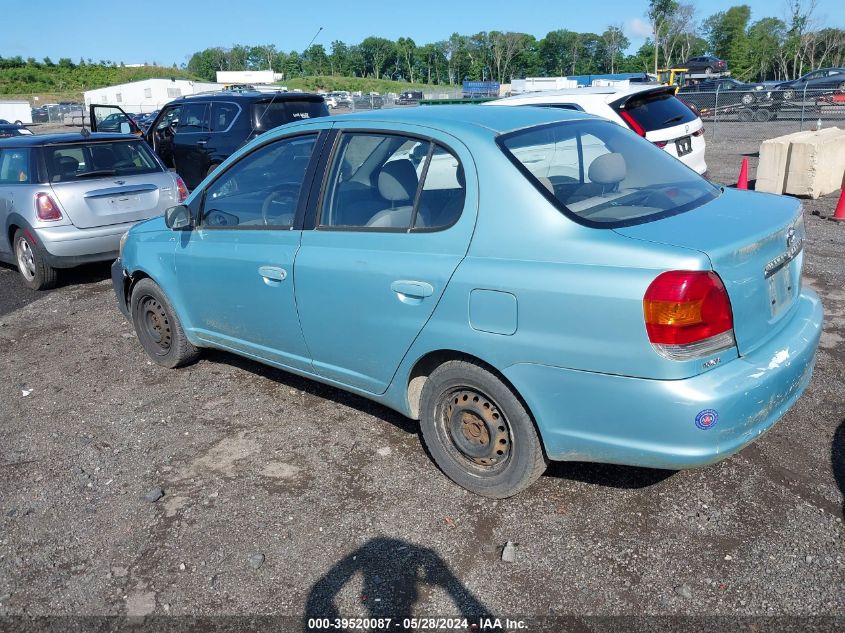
[16, 112]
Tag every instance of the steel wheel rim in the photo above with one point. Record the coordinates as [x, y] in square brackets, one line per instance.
[474, 430]
[26, 259]
[155, 324]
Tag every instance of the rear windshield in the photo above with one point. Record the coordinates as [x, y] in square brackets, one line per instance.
[101, 159]
[658, 111]
[270, 114]
[602, 174]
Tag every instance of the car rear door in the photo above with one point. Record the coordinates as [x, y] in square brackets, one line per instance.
[388, 234]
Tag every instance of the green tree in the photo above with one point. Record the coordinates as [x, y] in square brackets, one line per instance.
[659, 13]
[727, 35]
[377, 52]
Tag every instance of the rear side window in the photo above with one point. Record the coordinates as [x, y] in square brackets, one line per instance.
[66, 163]
[15, 166]
[270, 114]
[656, 111]
[392, 182]
[603, 175]
[222, 116]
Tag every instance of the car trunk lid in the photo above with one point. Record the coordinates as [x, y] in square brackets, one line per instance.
[754, 243]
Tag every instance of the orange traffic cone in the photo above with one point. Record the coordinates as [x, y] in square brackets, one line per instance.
[839, 213]
[742, 183]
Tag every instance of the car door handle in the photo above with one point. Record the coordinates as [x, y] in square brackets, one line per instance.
[416, 289]
[272, 275]
[202, 142]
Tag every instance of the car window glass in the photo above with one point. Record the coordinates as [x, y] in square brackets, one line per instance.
[101, 159]
[373, 182]
[169, 118]
[194, 117]
[603, 174]
[262, 189]
[14, 166]
[443, 192]
[222, 115]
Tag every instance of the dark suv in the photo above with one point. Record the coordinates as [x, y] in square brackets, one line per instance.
[194, 134]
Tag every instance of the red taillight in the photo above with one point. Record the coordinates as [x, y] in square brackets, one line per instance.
[183, 190]
[699, 132]
[632, 123]
[683, 307]
[46, 208]
[661, 144]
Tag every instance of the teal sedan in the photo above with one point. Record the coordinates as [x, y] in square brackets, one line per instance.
[530, 284]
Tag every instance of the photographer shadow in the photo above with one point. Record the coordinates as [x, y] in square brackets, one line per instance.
[394, 574]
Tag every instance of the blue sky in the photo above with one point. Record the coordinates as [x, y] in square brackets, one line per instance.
[168, 32]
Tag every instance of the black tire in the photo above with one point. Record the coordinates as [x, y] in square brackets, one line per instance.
[36, 273]
[747, 98]
[708, 70]
[841, 87]
[762, 115]
[788, 94]
[745, 115]
[158, 328]
[478, 431]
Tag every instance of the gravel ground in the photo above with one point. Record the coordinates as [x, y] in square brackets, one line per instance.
[280, 496]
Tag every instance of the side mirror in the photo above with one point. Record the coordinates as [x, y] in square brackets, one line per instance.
[178, 218]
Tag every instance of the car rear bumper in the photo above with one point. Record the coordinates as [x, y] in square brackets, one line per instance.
[674, 424]
[68, 246]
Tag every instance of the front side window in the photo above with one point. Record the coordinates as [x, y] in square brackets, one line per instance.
[604, 175]
[71, 162]
[14, 166]
[392, 182]
[262, 189]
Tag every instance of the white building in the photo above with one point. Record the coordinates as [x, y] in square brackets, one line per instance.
[147, 95]
[248, 77]
[536, 84]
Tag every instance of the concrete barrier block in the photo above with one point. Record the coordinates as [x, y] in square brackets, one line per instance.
[774, 161]
[816, 163]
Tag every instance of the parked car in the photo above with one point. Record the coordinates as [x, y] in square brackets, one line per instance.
[747, 101]
[540, 285]
[40, 115]
[653, 112]
[7, 130]
[115, 122]
[341, 98]
[410, 97]
[331, 102]
[823, 79]
[705, 64]
[66, 199]
[194, 134]
[368, 102]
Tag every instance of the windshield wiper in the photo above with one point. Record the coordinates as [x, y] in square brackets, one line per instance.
[97, 172]
[673, 119]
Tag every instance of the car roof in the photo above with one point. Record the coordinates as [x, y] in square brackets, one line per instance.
[250, 95]
[38, 140]
[602, 93]
[456, 118]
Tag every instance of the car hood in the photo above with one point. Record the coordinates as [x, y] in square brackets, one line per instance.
[152, 225]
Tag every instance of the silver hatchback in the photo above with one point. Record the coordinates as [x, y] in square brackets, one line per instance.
[67, 199]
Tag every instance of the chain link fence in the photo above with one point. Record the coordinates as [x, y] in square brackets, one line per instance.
[768, 112]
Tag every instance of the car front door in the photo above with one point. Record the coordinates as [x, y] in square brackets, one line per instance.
[190, 141]
[235, 268]
[161, 131]
[393, 223]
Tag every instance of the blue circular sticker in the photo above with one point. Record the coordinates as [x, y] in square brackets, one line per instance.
[706, 419]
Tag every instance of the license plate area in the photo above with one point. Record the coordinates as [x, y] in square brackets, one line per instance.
[782, 290]
[121, 204]
[684, 145]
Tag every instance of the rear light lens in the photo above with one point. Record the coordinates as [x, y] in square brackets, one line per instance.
[46, 208]
[183, 190]
[632, 123]
[699, 132]
[661, 144]
[688, 314]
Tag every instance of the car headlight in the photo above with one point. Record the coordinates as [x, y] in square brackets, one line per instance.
[122, 243]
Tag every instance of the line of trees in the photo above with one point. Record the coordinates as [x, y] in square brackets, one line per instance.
[768, 48]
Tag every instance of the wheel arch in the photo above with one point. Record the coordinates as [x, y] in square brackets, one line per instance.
[427, 363]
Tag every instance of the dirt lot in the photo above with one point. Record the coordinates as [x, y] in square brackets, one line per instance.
[286, 498]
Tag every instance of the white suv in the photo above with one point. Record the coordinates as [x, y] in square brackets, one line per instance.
[652, 112]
